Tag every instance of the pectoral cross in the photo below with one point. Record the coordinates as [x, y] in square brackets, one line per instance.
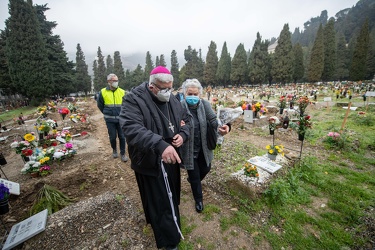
[171, 127]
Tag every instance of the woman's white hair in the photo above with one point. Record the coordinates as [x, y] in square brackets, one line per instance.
[192, 83]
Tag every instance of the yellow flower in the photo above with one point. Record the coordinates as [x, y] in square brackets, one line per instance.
[270, 151]
[29, 137]
[268, 147]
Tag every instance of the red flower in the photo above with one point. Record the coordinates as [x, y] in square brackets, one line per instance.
[27, 152]
[54, 144]
[64, 111]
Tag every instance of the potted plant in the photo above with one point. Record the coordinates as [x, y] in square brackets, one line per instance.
[250, 170]
[274, 150]
[4, 199]
[303, 124]
[282, 104]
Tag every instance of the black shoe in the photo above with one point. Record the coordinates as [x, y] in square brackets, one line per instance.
[199, 206]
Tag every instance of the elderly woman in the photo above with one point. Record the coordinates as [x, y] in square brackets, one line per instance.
[195, 154]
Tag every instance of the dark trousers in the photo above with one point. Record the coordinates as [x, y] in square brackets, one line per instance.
[115, 130]
[197, 175]
[157, 207]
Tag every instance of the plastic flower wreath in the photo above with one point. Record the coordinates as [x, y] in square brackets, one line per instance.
[250, 170]
[4, 192]
[275, 149]
[282, 102]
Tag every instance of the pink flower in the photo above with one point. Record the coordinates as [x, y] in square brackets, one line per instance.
[68, 145]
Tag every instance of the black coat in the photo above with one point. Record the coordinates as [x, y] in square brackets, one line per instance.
[142, 126]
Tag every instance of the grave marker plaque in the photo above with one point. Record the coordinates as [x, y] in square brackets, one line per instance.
[264, 163]
[14, 188]
[26, 229]
[248, 116]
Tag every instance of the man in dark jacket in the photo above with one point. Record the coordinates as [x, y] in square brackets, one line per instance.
[155, 126]
[109, 102]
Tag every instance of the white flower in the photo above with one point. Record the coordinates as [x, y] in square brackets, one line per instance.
[14, 144]
[58, 155]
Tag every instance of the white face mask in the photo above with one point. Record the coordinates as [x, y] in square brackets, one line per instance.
[115, 84]
[163, 96]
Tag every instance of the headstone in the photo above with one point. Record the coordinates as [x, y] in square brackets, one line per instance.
[248, 116]
[60, 139]
[265, 164]
[14, 188]
[327, 99]
[26, 229]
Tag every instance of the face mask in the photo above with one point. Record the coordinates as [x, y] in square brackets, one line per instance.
[192, 100]
[163, 96]
[115, 84]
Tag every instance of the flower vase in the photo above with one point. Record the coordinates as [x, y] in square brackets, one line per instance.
[272, 131]
[301, 136]
[41, 136]
[63, 116]
[45, 133]
[271, 157]
[255, 114]
[4, 206]
[25, 158]
[2, 160]
[281, 111]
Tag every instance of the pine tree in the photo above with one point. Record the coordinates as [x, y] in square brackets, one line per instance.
[4, 69]
[358, 67]
[211, 65]
[162, 61]
[316, 65]
[137, 77]
[96, 76]
[258, 61]
[109, 63]
[82, 75]
[370, 63]
[118, 69]
[193, 64]
[282, 68]
[342, 59]
[224, 67]
[329, 51]
[175, 69]
[157, 61]
[239, 69]
[101, 76]
[298, 67]
[200, 67]
[28, 62]
[148, 68]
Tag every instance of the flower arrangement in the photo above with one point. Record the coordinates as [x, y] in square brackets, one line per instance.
[31, 167]
[42, 111]
[303, 102]
[44, 170]
[4, 192]
[72, 108]
[275, 149]
[257, 106]
[303, 124]
[65, 134]
[272, 123]
[29, 137]
[52, 106]
[20, 145]
[64, 112]
[250, 170]
[79, 117]
[282, 102]
[27, 152]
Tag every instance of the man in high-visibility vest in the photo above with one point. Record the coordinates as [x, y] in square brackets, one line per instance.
[109, 102]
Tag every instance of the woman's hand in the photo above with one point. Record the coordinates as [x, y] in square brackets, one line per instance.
[223, 130]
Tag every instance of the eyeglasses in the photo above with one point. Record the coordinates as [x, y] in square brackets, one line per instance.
[163, 90]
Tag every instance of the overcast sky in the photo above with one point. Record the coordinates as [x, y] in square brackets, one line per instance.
[163, 25]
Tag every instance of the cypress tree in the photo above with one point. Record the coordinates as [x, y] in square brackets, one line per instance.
[342, 59]
[82, 76]
[148, 67]
[298, 67]
[193, 66]
[316, 65]
[329, 51]
[224, 67]
[101, 71]
[162, 61]
[4, 69]
[28, 62]
[118, 69]
[96, 76]
[211, 65]
[370, 63]
[157, 61]
[282, 68]
[109, 63]
[358, 67]
[239, 69]
[258, 61]
[175, 69]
